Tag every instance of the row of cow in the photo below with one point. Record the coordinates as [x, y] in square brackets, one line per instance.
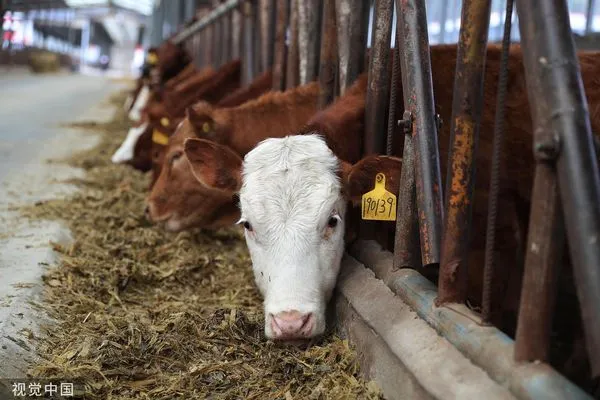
[292, 175]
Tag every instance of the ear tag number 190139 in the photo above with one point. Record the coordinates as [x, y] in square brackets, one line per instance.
[379, 204]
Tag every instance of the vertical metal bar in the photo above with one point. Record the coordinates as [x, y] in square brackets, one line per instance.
[265, 8]
[420, 112]
[378, 93]
[236, 30]
[443, 19]
[257, 38]
[225, 38]
[249, 53]
[545, 243]
[292, 75]
[466, 119]
[282, 10]
[328, 59]
[308, 39]
[407, 251]
[589, 16]
[218, 42]
[560, 113]
[352, 23]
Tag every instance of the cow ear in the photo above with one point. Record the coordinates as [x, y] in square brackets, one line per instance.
[213, 165]
[360, 178]
[201, 116]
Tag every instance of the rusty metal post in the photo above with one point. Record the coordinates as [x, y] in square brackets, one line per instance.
[280, 51]
[545, 244]
[466, 118]
[421, 119]
[292, 74]
[328, 59]
[561, 120]
[308, 39]
[378, 93]
[352, 23]
[249, 63]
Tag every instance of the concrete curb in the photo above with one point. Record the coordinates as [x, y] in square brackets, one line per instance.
[400, 351]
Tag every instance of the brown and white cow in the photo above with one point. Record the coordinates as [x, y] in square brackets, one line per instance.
[177, 200]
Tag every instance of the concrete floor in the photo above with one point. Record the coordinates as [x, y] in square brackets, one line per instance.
[31, 109]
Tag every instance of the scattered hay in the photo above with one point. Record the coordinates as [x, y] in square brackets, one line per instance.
[147, 314]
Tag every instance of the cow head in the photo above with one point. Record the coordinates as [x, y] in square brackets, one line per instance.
[293, 194]
[206, 124]
[178, 200]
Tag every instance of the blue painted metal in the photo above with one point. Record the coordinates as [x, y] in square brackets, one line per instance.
[484, 345]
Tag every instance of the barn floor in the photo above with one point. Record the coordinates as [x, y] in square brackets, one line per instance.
[33, 107]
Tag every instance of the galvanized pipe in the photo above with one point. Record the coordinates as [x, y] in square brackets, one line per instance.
[561, 119]
[465, 122]
[280, 51]
[308, 39]
[292, 75]
[542, 261]
[352, 23]
[328, 59]
[378, 93]
[420, 118]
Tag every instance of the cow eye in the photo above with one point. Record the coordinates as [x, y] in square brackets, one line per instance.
[332, 223]
[176, 156]
[247, 226]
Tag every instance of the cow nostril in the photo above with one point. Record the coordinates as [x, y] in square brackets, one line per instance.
[147, 212]
[292, 325]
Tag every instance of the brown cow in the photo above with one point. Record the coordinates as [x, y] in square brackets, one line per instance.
[177, 200]
[262, 84]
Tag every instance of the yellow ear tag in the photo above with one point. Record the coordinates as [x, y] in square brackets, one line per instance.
[206, 127]
[379, 204]
[152, 59]
[164, 122]
[160, 138]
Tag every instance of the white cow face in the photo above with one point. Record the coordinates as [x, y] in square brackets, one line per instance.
[135, 114]
[125, 152]
[293, 212]
[293, 194]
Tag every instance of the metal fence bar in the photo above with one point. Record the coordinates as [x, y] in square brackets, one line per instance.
[466, 119]
[217, 43]
[236, 33]
[207, 20]
[280, 50]
[292, 75]
[328, 57]
[265, 11]
[308, 39]
[561, 119]
[378, 94]
[542, 260]
[248, 50]
[352, 22]
[420, 117]
[257, 39]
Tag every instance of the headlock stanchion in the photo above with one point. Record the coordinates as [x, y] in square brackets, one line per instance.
[420, 119]
[563, 138]
[466, 119]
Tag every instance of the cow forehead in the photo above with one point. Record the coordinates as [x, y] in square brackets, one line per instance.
[293, 179]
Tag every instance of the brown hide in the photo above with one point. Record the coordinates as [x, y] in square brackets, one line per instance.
[260, 85]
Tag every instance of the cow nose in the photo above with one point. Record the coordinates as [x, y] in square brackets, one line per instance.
[292, 325]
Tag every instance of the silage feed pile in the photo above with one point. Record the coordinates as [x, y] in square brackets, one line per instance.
[147, 314]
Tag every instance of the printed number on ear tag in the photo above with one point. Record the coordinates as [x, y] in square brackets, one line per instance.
[206, 127]
[160, 138]
[164, 122]
[379, 204]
